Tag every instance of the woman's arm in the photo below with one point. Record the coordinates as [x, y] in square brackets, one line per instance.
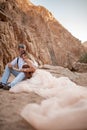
[30, 67]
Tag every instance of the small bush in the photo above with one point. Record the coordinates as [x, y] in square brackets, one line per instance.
[83, 58]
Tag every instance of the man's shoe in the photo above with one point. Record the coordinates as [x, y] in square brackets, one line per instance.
[7, 87]
[2, 85]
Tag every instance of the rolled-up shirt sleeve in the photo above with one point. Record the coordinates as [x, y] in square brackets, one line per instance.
[14, 62]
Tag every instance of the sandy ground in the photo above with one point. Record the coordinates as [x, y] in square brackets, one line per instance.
[10, 107]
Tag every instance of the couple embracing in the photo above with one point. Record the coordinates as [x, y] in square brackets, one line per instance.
[24, 69]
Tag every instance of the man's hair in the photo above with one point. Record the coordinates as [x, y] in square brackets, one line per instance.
[22, 46]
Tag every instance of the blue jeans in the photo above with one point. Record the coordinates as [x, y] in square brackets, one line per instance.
[19, 76]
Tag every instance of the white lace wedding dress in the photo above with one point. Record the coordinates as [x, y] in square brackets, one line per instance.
[64, 107]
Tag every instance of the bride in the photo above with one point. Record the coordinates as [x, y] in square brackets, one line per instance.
[64, 107]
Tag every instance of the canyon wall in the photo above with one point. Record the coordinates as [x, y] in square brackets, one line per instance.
[46, 39]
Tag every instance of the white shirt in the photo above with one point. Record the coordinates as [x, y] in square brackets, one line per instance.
[20, 62]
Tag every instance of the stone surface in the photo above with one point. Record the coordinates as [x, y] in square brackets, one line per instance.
[85, 45]
[79, 67]
[58, 71]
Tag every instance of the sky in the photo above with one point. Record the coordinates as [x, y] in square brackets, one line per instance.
[72, 14]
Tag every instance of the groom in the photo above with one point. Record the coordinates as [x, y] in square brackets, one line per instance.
[19, 76]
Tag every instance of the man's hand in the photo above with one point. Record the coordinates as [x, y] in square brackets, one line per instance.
[9, 65]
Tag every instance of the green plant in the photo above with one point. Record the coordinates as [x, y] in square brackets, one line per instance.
[83, 58]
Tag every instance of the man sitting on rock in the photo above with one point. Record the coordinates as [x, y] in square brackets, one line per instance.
[19, 76]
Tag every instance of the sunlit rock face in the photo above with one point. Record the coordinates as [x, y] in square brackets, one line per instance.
[85, 45]
[35, 26]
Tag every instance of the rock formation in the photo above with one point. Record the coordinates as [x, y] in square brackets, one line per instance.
[46, 39]
[85, 45]
[59, 71]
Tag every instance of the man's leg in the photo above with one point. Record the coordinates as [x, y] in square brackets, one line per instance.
[7, 73]
[17, 79]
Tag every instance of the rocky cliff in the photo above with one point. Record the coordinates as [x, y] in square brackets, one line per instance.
[35, 26]
[85, 45]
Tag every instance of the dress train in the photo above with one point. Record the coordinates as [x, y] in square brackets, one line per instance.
[64, 107]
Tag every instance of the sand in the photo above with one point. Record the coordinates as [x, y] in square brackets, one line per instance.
[10, 107]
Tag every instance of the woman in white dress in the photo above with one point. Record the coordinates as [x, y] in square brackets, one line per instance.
[64, 107]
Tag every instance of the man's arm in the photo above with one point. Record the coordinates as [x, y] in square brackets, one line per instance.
[12, 63]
